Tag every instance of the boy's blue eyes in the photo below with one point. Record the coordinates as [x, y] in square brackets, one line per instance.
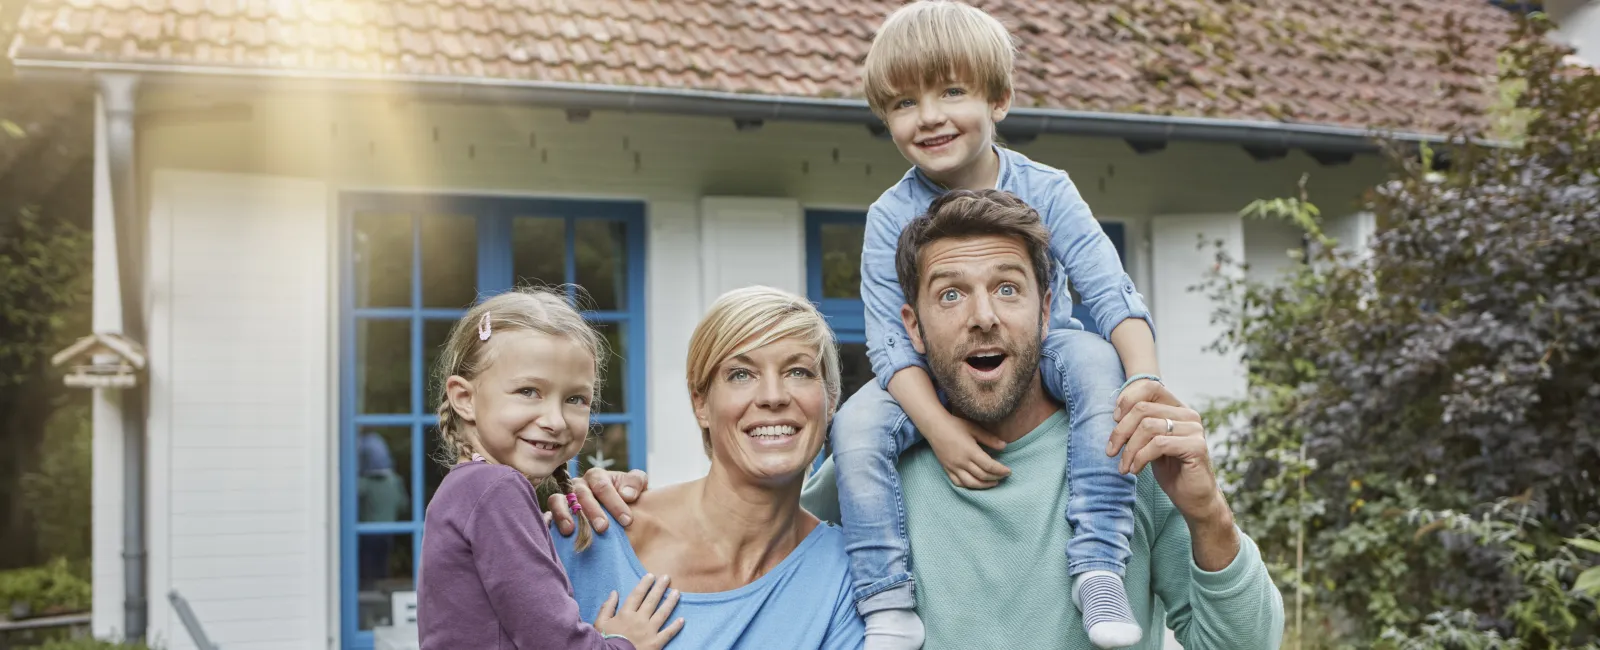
[949, 92]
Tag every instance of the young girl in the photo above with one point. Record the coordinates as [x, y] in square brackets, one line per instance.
[519, 373]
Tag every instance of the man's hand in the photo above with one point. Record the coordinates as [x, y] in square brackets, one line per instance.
[955, 443]
[1161, 431]
[599, 490]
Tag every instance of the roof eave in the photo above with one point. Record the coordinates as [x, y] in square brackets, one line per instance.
[1020, 123]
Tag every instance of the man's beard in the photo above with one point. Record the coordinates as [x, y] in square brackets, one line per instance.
[989, 402]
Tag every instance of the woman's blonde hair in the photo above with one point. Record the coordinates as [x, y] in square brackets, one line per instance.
[744, 319]
[466, 354]
[937, 41]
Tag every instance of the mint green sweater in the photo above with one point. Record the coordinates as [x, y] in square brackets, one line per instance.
[991, 565]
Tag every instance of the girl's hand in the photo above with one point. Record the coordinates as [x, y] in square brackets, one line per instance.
[955, 443]
[640, 618]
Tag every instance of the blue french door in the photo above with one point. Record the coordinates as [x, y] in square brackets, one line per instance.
[412, 265]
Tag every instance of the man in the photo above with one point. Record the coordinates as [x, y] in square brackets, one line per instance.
[990, 565]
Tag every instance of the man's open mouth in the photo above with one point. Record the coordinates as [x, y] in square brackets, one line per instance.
[986, 361]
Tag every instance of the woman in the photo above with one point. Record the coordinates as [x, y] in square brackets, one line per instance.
[753, 568]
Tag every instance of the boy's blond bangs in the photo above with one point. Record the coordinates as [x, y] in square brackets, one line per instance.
[932, 42]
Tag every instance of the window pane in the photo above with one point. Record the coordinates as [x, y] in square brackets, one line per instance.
[382, 259]
[385, 568]
[383, 478]
[841, 259]
[434, 333]
[383, 366]
[538, 251]
[432, 470]
[613, 393]
[855, 370]
[607, 447]
[449, 261]
[601, 262]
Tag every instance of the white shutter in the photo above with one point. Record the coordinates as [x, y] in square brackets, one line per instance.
[1183, 317]
[745, 241]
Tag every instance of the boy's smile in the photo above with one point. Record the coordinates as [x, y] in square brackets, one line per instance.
[948, 132]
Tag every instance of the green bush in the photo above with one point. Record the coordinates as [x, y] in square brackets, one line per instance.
[56, 492]
[1419, 445]
[54, 588]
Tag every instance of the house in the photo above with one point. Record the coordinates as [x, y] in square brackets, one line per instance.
[294, 198]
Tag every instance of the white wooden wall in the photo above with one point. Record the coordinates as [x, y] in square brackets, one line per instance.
[239, 342]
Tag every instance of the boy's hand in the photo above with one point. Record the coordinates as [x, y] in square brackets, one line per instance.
[955, 443]
[1127, 398]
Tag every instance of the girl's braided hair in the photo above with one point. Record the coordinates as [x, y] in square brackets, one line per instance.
[464, 354]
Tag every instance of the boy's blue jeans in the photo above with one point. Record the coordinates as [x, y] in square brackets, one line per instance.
[870, 431]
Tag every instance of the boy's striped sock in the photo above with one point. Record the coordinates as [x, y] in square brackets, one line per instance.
[1107, 617]
[894, 629]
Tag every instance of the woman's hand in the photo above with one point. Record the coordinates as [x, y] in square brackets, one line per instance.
[641, 616]
[599, 490]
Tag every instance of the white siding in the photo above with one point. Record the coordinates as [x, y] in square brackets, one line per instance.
[239, 408]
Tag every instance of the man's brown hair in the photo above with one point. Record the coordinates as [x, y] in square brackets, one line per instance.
[972, 213]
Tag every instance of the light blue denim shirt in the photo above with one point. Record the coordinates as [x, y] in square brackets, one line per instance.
[1081, 249]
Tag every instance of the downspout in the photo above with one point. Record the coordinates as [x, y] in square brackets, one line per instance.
[119, 94]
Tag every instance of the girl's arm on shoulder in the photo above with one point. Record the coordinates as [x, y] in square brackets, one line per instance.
[526, 584]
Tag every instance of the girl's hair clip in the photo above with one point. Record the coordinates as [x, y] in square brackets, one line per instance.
[483, 328]
[572, 502]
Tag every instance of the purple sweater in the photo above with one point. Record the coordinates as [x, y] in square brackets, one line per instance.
[490, 578]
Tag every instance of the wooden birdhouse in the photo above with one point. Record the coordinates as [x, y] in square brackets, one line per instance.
[102, 361]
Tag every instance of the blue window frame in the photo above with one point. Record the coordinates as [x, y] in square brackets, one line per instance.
[412, 265]
[833, 282]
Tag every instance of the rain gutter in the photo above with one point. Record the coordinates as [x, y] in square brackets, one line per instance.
[1143, 132]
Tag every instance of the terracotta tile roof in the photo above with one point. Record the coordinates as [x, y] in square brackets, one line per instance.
[1415, 64]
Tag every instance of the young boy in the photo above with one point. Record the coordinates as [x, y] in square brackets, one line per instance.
[939, 75]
